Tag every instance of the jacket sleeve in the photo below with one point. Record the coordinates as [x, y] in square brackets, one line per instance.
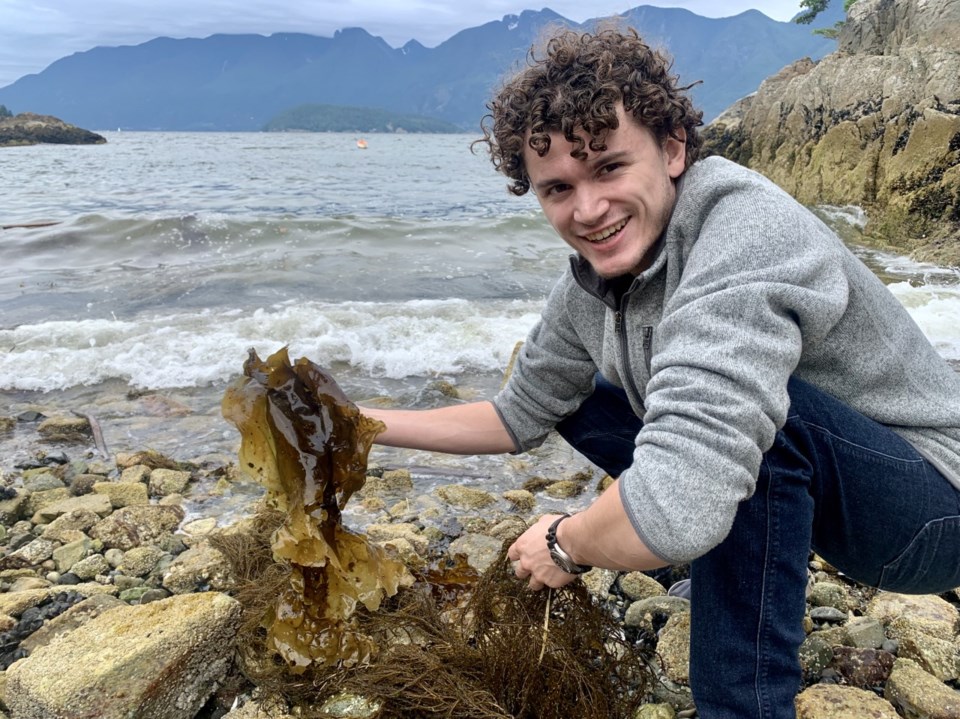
[552, 376]
[762, 282]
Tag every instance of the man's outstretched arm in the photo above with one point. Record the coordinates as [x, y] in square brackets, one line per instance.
[472, 428]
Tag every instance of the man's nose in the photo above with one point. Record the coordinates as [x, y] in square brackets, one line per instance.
[590, 206]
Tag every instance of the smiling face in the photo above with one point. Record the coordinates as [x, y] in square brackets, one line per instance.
[612, 206]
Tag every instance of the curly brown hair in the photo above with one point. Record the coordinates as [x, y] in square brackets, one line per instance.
[575, 87]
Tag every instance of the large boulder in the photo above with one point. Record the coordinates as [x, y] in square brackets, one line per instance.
[160, 660]
[28, 128]
[876, 124]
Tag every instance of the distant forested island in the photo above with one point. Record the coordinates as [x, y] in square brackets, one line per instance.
[338, 118]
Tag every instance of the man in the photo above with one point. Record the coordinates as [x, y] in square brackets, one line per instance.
[755, 389]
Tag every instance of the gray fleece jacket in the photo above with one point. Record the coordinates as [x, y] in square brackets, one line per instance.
[747, 289]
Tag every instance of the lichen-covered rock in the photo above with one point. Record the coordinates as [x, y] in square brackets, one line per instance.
[920, 695]
[201, 567]
[123, 494]
[831, 701]
[130, 527]
[637, 585]
[465, 497]
[160, 660]
[62, 429]
[168, 481]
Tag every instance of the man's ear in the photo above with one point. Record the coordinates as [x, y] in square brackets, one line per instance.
[675, 152]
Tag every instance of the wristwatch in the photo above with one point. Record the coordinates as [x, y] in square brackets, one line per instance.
[559, 557]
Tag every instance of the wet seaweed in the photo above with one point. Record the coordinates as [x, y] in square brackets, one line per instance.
[451, 644]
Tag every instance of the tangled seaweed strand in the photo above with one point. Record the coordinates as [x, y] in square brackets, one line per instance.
[491, 658]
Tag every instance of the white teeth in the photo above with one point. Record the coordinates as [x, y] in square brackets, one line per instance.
[604, 234]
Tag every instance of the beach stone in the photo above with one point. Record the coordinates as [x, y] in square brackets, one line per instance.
[465, 497]
[41, 482]
[77, 615]
[130, 527]
[14, 603]
[69, 554]
[65, 429]
[114, 557]
[599, 581]
[122, 494]
[7, 424]
[400, 530]
[815, 656]
[29, 555]
[644, 612]
[198, 567]
[200, 527]
[167, 481]
[564, 489]
[655, 711]
[508, 528]
[44, 498]
[137, 474]
[405, 551]
[933, 653]
[865, 633]
[349, 706]
[154, 595]
[673, 648]
[480, 550]
[140, 561]
[637, 585]
[68, 525]
[11, 510]
[827, 614]
[832, 701]
[927, 612]
[828, 594]
[520, 499]
[920, 695]
[83, 483]
[133, 595]
[96, 503]
[862, 668]
[259, 709]
[116, 660]
[149, 458]
[91, 567]
[23, 584]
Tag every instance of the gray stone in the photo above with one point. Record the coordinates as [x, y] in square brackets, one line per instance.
[642, 612]
[42, 482]
[465, 497]
[865, 633]
[199, 567]
[96, 503]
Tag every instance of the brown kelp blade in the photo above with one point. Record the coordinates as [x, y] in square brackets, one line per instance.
[308, 445]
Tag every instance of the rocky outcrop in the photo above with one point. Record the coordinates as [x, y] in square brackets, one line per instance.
[875, 124]
[28, 128]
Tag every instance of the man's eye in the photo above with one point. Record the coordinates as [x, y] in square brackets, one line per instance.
[607, 169]
[557, 189]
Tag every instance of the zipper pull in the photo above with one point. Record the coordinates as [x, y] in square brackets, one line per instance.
[618, 321]
[647, 338]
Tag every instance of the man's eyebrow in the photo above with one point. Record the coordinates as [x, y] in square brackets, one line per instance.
[605, 158]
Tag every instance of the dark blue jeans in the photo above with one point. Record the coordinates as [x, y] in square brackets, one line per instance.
[834, 480]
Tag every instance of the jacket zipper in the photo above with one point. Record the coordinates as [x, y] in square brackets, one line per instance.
[621, 332]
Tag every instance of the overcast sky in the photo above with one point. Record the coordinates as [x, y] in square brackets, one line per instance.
[34, 34]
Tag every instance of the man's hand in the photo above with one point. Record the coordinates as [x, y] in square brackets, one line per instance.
[531, 558]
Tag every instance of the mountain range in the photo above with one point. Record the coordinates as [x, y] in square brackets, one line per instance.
[240, 82]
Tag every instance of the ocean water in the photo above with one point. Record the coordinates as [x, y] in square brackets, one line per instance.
[168, 255]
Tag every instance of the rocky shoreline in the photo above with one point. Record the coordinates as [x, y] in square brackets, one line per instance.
[110, 602]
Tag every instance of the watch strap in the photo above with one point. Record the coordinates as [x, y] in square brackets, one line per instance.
[560, 557]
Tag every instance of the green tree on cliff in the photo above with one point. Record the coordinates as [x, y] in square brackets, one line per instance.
[814, 8]
[4, 112]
